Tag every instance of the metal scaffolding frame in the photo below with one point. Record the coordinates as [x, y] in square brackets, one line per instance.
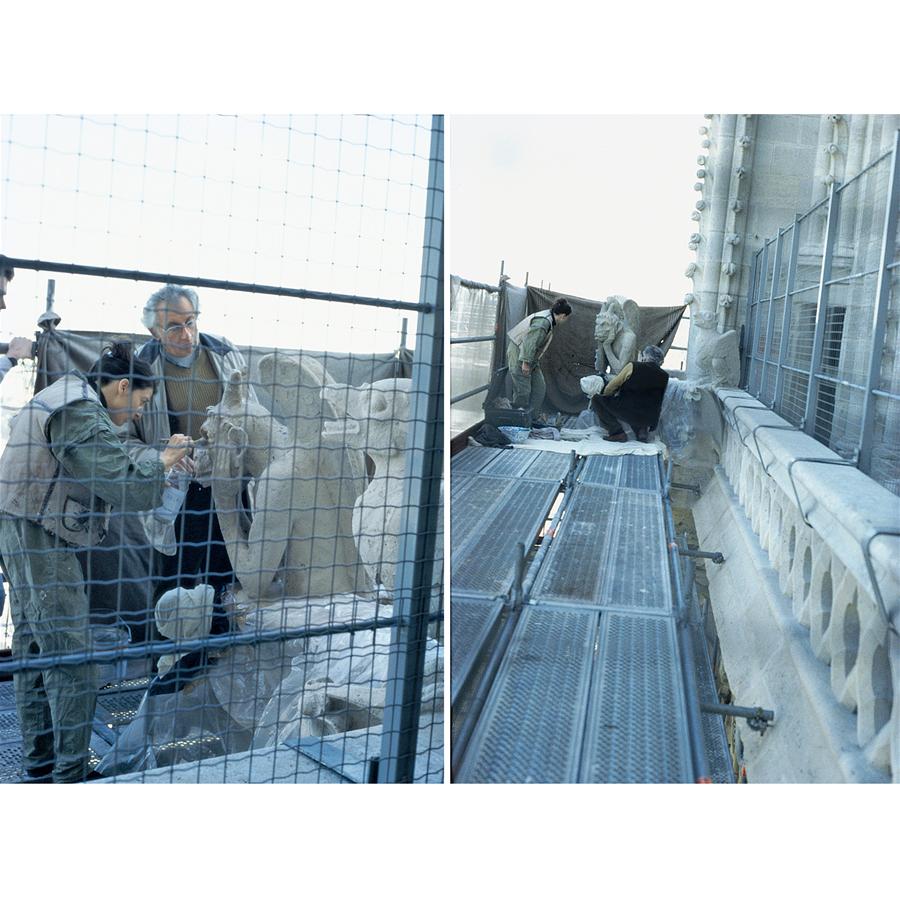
[760, 357]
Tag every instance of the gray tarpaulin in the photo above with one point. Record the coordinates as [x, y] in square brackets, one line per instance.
[121, 571]
[571, 354]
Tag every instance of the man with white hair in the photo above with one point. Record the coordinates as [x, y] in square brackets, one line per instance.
[633, 398]
[195, 367]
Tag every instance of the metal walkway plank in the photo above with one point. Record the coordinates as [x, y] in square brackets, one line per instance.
[636, 729]
[714, 739]
[488, 524]
[472, 459]
[472, 619]
[532, 725]
[609, 551]
[545, 465]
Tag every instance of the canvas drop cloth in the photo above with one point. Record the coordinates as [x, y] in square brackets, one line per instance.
[571, 354]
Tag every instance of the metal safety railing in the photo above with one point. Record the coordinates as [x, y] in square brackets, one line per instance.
[822, 346]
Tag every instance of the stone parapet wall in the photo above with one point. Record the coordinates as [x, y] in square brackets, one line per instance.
[818, 551]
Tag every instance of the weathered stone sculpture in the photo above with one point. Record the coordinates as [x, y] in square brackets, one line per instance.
[301, 494]
[376, 421]
[716, 356]
[615, 334]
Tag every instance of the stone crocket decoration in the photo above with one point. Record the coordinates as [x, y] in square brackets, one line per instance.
[717, 360]
[615, 334]
[376, 421]
[299, 541]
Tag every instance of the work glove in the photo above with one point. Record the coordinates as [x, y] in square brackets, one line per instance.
[617, 381]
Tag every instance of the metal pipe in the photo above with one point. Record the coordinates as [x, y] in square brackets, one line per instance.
[770, 319]
[471, 393]
[822, 306]
[478, 286]
[544, 549]
[699, 763]
[786, 312]
[210, 642]
[38, 265]
[473, 340]
[744, 712]
[879, 318]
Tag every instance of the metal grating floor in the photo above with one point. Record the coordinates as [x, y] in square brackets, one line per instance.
[488, 519]
[472, 459]
[534, 464]
[714, 740]
[590, 688]
[532, 724]
[638, 472]
[471, 621]
[114, 709]
[636, 729]
[610, 551]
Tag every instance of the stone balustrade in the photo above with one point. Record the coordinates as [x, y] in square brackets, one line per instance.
[818, 550]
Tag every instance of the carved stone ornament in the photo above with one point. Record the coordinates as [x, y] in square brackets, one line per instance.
[733, 239]
[701, 160]
[740, 171]
[707, 115]
[700, 204]
[695, 215]
[736, 206]
[698, 185]
[832, 149]
[689, 299]
[726, 300]
[695, 238]
[703, 129]
[701, 173]
[706, 143]
[729, 268]
[745, 140]
[690, 270]
[835, 118]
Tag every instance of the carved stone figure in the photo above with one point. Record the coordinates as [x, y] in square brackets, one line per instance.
[615, 334]
[716, 361]
[300, 539]
[375, 420]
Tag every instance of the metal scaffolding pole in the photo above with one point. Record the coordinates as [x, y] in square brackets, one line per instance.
[422, 493]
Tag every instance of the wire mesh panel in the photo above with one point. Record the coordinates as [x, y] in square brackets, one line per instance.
[827, 361]
[219, 496]
[473, 314]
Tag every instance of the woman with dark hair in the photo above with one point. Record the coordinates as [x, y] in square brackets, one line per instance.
[61, 472]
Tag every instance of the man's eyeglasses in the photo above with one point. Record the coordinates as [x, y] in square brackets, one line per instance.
[188, 325]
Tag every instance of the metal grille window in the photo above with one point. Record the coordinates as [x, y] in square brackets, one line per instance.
[824, 337]
[269, 606]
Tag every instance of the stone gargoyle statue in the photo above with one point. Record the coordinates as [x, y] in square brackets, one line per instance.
[299, 542]
[615, 334]
[374, 419]
[716, 360]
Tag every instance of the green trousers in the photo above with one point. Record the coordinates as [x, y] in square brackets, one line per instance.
[50, 613]
[527, 390]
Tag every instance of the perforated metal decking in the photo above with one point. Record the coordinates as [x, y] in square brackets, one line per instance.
[590, 687]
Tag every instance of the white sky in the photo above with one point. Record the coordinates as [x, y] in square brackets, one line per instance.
[331, 203]
[594, 205]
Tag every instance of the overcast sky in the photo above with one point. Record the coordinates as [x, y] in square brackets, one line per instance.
[331, 203]
[594, 205]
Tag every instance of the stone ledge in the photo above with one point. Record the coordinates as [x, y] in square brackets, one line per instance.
[769, 660]
[841, 503]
